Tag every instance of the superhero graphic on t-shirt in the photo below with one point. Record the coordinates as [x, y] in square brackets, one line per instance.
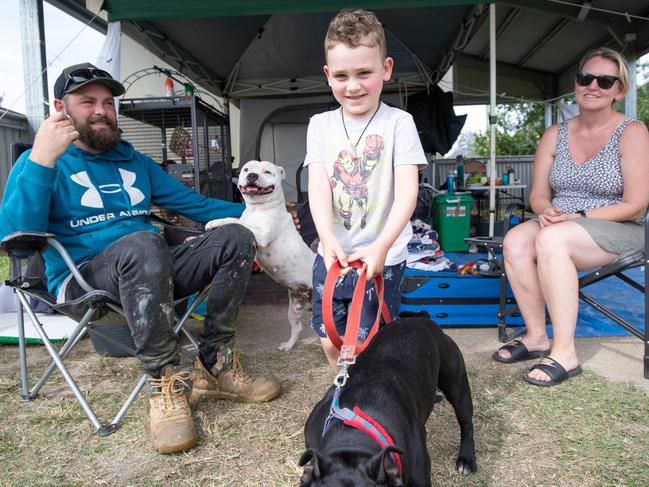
[353, 173]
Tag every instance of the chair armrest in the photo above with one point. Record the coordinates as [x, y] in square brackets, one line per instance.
[25, 242]
[509, 211]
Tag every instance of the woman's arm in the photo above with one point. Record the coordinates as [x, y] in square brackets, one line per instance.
[541, 194]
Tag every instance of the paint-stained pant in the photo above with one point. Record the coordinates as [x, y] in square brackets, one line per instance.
[147, 275]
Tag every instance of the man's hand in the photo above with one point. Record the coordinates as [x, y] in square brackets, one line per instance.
[52, 139]
[290, 207]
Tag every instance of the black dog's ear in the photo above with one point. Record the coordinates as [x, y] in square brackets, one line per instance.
[383, 468]
[312, 471]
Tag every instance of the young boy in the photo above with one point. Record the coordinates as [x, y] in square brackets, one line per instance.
[363, 163]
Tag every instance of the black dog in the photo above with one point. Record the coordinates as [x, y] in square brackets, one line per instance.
[394, 381]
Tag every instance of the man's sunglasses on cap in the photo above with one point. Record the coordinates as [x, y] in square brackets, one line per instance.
[604, 81]
[82, 75]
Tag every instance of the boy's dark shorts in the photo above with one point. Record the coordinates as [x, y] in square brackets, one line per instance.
[343, 292]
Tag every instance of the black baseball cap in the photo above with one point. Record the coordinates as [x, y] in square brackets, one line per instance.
[74, 77]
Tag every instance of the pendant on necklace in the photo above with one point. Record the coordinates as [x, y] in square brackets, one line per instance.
[352, 145]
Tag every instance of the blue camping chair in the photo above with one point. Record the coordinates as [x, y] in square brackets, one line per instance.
[28, 282]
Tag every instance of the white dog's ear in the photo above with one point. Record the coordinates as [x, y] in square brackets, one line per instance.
[282, 173]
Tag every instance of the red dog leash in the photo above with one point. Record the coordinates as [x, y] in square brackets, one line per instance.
[349, 349]
[348, 346]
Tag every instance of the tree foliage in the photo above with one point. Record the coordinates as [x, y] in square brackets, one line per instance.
[518, 130]
[520, 126]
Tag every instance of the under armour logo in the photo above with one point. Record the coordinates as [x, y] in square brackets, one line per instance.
[92, 199]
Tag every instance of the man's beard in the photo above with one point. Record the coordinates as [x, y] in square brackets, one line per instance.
[100, 140]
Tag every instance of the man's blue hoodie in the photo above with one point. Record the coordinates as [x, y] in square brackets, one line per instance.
[89, 202]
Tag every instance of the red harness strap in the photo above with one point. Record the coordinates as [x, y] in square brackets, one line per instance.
[383, 438]
[348, 346]
[362, 422]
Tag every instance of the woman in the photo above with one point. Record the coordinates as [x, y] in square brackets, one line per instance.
[589, 192]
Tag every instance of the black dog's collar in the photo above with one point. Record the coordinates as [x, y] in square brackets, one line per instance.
[363, 422]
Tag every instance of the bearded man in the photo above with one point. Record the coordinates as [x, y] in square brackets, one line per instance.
[94, 191]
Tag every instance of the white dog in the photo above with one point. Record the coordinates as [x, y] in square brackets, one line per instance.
[281, 252]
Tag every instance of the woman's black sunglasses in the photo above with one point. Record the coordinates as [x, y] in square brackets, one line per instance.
[604, 81]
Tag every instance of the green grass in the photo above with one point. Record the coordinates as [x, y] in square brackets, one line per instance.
[587, 432]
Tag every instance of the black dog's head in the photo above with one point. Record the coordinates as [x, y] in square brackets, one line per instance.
[341, 469]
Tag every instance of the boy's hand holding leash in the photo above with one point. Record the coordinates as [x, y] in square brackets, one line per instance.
[374, 258]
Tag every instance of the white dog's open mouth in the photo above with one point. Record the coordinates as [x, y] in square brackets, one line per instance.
[253, 189]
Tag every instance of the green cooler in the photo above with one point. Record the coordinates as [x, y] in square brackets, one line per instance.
[452, 220]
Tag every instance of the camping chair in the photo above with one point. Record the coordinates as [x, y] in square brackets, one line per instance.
[617, 269]
[24, 250]
[507, 306]
[494, 246]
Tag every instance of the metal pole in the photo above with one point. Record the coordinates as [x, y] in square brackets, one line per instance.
[549, 108]
[32, 32]
[492, 117]
[631, 98]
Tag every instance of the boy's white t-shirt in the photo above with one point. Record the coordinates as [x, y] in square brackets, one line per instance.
[363, 188]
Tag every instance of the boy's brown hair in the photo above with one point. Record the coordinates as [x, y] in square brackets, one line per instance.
[355, 27]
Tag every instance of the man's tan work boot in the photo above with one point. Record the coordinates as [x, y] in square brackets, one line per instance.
[231, 382]
[172, 427]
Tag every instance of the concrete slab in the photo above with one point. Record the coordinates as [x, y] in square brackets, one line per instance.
[616, 358]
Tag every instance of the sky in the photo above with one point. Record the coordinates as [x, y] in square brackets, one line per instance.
[60, 30]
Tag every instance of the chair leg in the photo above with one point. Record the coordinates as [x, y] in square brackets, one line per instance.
[76, 335]
[118, 418]
[54, 354]
[180, 325]
[502, 312]
[103, 429]
[22, 351]
[646, 307]
[504, 335]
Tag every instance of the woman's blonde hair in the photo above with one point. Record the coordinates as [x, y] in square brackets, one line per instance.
[611, 55]
[353, 28]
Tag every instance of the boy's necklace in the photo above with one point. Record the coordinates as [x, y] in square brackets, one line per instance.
[353, 146]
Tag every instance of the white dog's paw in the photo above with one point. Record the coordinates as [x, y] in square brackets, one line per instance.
[219, 222]
[286, 346]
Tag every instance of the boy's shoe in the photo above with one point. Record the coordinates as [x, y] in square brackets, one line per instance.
[172, 427]
[231, 383]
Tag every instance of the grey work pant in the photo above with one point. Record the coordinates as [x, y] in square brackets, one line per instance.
[147, 276]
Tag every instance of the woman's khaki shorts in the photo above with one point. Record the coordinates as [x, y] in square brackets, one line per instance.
[621, 238]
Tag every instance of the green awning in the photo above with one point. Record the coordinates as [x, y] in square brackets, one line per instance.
[184, 9]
